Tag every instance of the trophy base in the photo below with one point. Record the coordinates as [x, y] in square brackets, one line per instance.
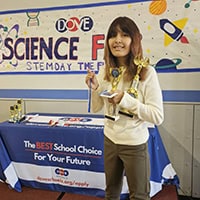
[23, 117]
[112, 117]
[11, 121]
[126, 113]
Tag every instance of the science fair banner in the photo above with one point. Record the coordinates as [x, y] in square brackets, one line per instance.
[73, 39]
[69, 40]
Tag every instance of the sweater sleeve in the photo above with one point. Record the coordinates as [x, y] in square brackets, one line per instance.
[149, 106]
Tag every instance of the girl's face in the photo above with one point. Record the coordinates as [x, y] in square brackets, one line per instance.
[120, 44]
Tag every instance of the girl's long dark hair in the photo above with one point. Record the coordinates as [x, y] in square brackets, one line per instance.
[129, 27]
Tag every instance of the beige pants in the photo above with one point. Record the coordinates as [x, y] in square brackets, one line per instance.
[132, 161]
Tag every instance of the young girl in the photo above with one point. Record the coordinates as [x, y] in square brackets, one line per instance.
[136, 106]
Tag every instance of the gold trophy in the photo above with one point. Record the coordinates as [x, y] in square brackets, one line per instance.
[20, 111]
[16, 113]
[112, 108]
[133, 90]
[12, 114]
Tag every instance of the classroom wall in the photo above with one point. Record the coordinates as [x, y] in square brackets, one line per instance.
[62, 89]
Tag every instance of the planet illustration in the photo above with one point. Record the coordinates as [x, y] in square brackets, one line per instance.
[157, 7]
[166, 65]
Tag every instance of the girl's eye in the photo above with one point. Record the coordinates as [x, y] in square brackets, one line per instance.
[125, 35]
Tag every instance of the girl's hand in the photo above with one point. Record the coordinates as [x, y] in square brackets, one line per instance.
[117, 98]
[91, 80]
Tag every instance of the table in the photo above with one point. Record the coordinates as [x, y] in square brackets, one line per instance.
[68, 157]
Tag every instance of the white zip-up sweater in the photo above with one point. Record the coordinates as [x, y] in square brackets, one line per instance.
[147, 109]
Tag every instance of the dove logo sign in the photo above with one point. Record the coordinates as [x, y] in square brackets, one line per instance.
[73, 24]
[61, 172]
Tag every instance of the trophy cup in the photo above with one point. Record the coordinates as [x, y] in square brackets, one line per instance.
[112, 108]
[12, 114]
[16, 113]
[20, 110]
[133, 90]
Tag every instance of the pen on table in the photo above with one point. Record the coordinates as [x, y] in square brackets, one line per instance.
[31, 117]
[53, 123]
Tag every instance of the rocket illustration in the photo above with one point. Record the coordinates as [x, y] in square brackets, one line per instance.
[173, 30]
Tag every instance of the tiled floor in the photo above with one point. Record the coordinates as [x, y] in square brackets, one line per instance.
[168, 193]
